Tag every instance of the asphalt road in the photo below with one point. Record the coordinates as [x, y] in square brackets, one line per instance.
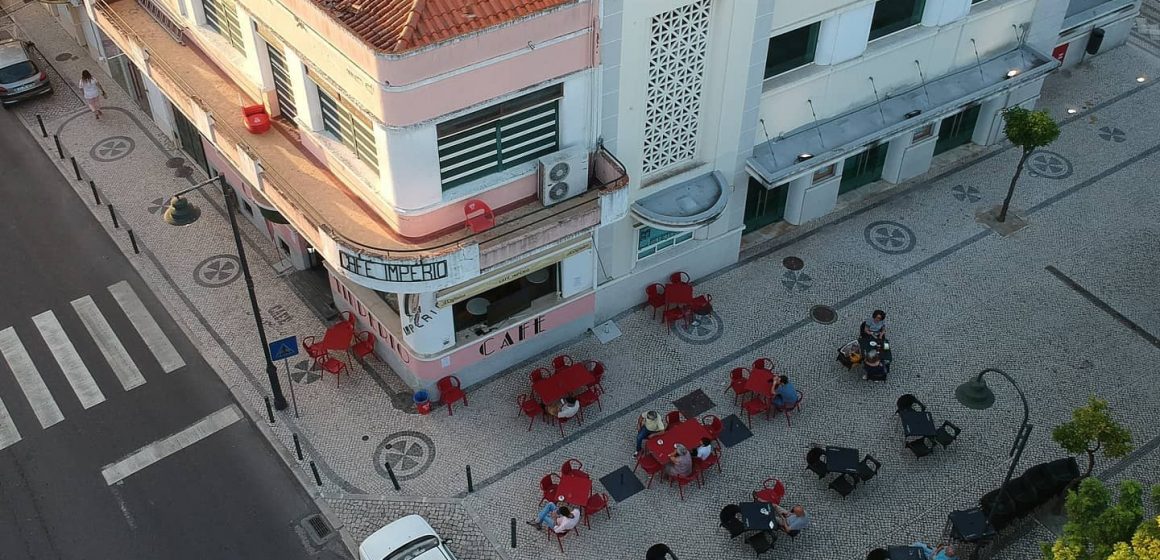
[225, 496]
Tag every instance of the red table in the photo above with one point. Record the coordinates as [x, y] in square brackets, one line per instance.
[574, 489]
[562, 383]
[761, 382]
[678, 294]
[687, 433]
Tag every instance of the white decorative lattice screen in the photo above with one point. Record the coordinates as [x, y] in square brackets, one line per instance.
[676, 70]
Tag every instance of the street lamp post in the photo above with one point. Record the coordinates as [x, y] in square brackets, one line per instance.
[975, 394]
[181, 212]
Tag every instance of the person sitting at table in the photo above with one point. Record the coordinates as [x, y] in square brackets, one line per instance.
[942, 552]
[651, 423]
[873, 368]
[875, 327]
[567, 407]
[563, 518]
[680, 462]
[792, 519]
[785, 394]
[704, 450]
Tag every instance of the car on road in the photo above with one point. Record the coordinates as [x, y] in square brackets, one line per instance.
[408, 538]
[20, 77]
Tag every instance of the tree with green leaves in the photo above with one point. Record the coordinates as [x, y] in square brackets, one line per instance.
[1092, 429]
[1094, 524]
[1145, 543]
[1029, 130]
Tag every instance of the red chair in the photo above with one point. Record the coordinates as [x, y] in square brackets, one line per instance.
[656, 297]
[704, 464]
[683, 481]
[737, 381]
[755, 405]
[530, 408]
[364, 345]
[674, 314]
[713, 425]
[795, 406]
[256, 119]
[597, 370]
[771, 492]
[702, 305]
[560, 536]
[650, 465]
[347, 317]
[338, 337]
[766, 364]
[540, 374]
[590, 397]
[331, 365]
[548, 486]
[478, 215]
[562, 361]
[561, 421]
[573, 466]
[596, 504]
[672, 418]
[451, 392]
[679, 278]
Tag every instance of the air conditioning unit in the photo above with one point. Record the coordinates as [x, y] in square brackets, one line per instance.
[563, 175]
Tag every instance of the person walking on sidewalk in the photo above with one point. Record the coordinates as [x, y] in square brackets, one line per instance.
[92, 91]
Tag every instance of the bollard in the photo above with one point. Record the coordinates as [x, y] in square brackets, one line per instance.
[391, 474]
[96, 197]
[113, 215]
[513, 532]
[269, 409]
[76, 168]
[39, 121]
[470, 486]
[314, 469]
[297, 447]
[59, 150]
[133, 240]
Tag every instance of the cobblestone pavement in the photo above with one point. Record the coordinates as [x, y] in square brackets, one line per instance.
[1063, 305]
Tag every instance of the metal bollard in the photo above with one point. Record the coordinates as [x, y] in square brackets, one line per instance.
[391, 474]
[59, 149]
[269, 409]
[297, 447]
[39, 121]
[113, 215]
[513, 532]
[470, 486]
[133, 241]
[314, 469]
[96, 197]
[76, 168]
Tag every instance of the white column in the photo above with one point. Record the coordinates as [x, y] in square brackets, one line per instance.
[426, 329]
[843, 37]
[305, 94]
[250, 44]
[942, 12]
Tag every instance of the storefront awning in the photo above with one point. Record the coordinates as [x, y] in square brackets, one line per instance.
[777, 161]
[685, 206]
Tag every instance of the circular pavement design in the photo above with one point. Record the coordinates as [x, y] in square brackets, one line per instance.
[112, 148]
[217, 271]
[890, 237]
[703, 329]
[1049, 165]
[410, 454]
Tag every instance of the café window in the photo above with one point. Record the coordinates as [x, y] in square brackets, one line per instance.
[488, 310]
[791, 49]
[923, 133]
[825, 173]
[895, 15]
[650, 241]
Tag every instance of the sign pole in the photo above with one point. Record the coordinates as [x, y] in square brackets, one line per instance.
[290, 381]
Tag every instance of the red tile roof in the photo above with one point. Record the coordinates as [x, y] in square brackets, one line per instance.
[397, 26]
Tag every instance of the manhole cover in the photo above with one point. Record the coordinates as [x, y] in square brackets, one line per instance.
[174, 162]
[410, 453]
[793, 263]
[823, 314]
[63, 57]
[183, 171]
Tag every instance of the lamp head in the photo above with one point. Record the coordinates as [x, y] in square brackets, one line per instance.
[181, 212]
[975, 394]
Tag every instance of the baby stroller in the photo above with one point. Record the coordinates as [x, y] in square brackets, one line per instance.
[850, 354]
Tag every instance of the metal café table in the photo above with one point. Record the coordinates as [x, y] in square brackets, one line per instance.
[917, 423]
[906, 553]
[842, 460]
[574, 489]
[758, 516]
[969, 525]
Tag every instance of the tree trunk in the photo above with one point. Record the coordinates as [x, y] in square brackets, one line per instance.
[1011, 190]
[1091, 453]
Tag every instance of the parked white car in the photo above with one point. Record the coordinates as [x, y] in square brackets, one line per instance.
[408, 538]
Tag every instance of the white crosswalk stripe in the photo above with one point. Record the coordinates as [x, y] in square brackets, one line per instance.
[69, 360]
[29, 378]
[8, 433]
[107, 341]
[146, 326]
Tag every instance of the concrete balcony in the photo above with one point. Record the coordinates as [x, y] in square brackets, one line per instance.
[360, 243]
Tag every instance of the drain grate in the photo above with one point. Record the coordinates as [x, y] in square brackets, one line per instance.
[63, 57]
[317, 528]
[823, 314]
[793, 263]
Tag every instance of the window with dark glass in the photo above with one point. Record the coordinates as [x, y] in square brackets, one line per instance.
[895, 15]
[348, 127]
[222, 17]
[490, 309]
[499, 137]
[791, 50]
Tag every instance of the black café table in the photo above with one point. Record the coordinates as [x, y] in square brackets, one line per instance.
[969, 525]
[842, 460]
[758, 516]
[917, 423]
[885, 355]
[906, 553]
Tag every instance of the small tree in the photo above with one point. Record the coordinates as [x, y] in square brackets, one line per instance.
[1094, 525]
[1092, 429]
[1145, 543]
[1029, 130]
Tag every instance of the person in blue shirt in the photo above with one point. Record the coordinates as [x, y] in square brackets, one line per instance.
[942, 552]
[785, 394]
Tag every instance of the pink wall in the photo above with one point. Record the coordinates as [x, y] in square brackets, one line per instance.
[451, 215]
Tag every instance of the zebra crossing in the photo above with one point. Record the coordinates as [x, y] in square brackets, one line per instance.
[27, 373]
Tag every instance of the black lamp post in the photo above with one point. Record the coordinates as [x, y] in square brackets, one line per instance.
[182, 212]
[975, 394]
